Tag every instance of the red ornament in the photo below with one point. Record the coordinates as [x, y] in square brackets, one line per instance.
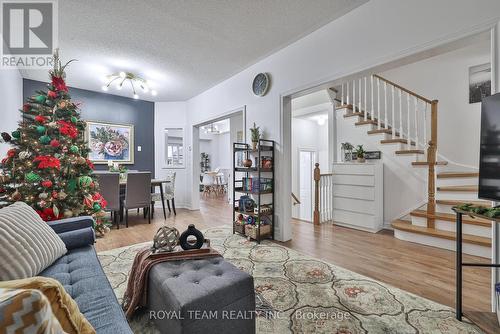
[26, 107]
[59, 84]
[47, 184]
[48, 214]
[97, 197]
[40, 119]
[88, 202]
[55, 194]
[55, 143]
[67, 129]
[5, 160]
[51, 94]
[11, 153]
[90, 164]
[46, 161]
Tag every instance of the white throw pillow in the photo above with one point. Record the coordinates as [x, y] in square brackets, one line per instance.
[27, 244]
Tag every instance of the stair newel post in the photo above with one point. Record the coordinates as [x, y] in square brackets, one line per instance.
[432, 158]
[317, 176]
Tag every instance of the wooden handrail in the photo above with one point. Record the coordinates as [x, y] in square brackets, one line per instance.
[420, 97]
[296, 200]
[317, 177]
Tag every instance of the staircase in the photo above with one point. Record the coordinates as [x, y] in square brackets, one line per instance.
[403, 119]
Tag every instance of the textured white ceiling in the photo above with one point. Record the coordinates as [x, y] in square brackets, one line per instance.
[182, 46]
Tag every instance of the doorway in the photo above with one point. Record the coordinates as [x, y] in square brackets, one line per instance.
[307, 159]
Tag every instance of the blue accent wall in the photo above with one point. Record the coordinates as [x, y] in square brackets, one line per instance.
[109, 108]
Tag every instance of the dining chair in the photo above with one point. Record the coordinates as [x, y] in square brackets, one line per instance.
[208, 184]
[223, 182]
[109, 184]
[138, 194]
[168, 195]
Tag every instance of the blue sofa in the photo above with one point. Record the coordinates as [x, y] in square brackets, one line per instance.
[81, 274]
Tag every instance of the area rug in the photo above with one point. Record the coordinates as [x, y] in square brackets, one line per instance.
[296, 293]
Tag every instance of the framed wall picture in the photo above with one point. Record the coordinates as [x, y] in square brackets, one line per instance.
[479, 82]
[110, 142]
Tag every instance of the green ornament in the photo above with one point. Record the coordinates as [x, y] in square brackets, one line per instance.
[16, 134]
[41, 129]
[32, 177]
[44, 139]
[72, 185]
[97, 207]
[84, 181]
[74, 119]
[40, 98]
[74, 149]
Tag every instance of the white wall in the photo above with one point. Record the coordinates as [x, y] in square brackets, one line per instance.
[446, 77]
[377, 32]
[172, 115]
[11, 86]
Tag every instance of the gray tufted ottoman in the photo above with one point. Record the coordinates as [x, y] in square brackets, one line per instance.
[201, 296]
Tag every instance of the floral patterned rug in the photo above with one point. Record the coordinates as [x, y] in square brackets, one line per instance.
[296, 293]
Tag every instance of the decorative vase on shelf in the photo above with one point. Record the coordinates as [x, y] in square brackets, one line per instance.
[254, 145]
[361, 160]
[247, 163]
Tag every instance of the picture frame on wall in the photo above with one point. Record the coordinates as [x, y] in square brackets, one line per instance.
[110, 142]
[479, 82]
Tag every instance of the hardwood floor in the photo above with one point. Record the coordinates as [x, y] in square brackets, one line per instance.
[425, 271]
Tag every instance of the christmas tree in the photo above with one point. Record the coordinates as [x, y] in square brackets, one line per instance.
[47, 167]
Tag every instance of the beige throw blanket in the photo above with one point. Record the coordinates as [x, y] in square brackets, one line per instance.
[136, 293]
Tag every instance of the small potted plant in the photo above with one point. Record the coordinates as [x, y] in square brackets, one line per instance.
[346, 148]
[360, 153]
[255, 131]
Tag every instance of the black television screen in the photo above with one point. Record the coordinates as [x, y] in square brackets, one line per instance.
[489, 158]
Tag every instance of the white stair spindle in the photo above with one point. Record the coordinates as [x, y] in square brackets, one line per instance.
[359, 98]
[378, 103]
[385, 106]
[342, 94]
[425, 124]
[393, 120]
[347, 92]
[408, 124]
[354, 96]
[372, 113]
[400, 113]
[365, 109]
[415, 104]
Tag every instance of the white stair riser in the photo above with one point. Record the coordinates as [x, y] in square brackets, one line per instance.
[457, 195]
[444, 208]
[394, 146]
[443, 243]
[444, 225]
[468, 181]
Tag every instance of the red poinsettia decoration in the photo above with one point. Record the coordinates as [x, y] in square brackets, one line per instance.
[67, 129]
[40, 119]
[97, 198]
[59, 84]
[11, 153]
[46, 161]
[47, 184]
[51, 94]
[48, 214]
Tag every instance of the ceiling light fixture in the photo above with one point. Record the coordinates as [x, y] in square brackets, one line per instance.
[127, 77]
[212, 129]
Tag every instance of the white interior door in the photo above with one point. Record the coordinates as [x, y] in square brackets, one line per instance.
[306, 169]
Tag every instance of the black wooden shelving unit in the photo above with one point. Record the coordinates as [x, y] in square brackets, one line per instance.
[262, 198]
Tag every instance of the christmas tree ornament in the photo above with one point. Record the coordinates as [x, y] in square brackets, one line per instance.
[68, 214]
[62, 104]
[40, 98]
[41, 129]
[97, 207]
[42, 204]
[32, 177]
[65, 149]
[26, 107]
[24, 155]
[40, 119]
[81, 161]
[72, 184]
[51, 94]
[43, 196]
[74, 120]
[11, 153]
[47, 184]
[6, 137]
[55, 209]
[16, 196]
[52, 125]
[55, 143]
[16, 134]
[44, 139]
[4, 178]
[62, 195]
[74, 149]
[84, 181]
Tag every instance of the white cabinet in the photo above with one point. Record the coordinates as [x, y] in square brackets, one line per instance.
[358, 195]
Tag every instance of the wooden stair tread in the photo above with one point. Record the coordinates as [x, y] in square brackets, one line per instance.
[426, 163]
[470, 188]
[460, 202]
[363, 122]
[449, 175]
[406, 226]
[352, 114]
[344, 106]
[452, 218]
[397, 140]
[410, 152]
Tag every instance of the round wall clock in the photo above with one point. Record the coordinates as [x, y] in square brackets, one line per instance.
[260, 84]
